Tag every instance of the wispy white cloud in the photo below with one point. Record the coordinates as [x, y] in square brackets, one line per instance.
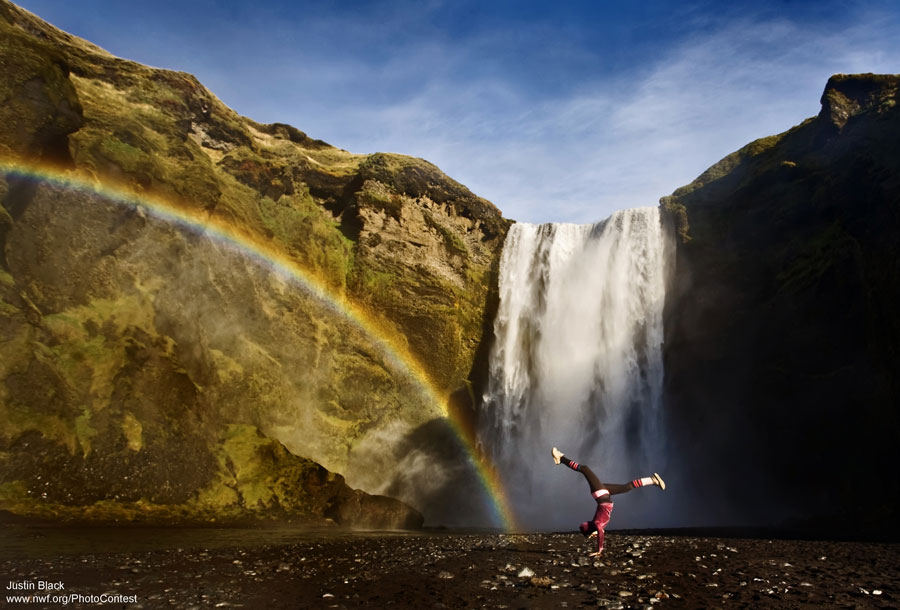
[532, 114]
[615, 143]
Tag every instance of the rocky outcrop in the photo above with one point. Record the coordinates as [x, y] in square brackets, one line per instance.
[38, 104]
[128, 339]
[237, 477]
[782, 340]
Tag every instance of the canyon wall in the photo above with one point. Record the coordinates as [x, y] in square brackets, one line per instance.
[782, 339]
[290, 300]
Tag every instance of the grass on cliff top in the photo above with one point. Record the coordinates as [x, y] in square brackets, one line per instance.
[19, 19]
[36, 99]
[140, 138]
[330, 159]
[21, 57]
[757, 157]
[413, 177]
[394, 162]
[729, 163]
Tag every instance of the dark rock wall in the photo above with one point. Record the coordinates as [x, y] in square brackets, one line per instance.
[782, 348]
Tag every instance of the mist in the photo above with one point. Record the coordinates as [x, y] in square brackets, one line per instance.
[258, 345]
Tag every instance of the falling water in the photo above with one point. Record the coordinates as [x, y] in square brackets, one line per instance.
[577, 363]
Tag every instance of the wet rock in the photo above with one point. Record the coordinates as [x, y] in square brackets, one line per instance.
[526, 573]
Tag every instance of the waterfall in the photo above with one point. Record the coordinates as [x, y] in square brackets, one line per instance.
[577, 363]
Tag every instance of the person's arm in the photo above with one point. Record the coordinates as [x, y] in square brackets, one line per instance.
[599, 546]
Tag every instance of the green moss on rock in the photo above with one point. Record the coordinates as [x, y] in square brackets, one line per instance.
[111, 366]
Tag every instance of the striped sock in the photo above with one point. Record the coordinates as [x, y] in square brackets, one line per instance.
[642, 481]
[569, 463]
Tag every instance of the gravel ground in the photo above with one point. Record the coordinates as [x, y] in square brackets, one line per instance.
[452, 570]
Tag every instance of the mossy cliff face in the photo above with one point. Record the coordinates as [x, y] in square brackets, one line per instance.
[782, 335]
[133, 348]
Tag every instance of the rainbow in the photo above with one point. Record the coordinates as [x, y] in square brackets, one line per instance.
[247, 244]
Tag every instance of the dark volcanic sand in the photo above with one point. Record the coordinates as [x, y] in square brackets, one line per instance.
[452, 570]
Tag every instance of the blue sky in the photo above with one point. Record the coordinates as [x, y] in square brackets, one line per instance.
[554, 111]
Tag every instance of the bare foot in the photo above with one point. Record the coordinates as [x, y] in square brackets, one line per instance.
[597, 554]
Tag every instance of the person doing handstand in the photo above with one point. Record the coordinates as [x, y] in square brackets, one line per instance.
[602, 493]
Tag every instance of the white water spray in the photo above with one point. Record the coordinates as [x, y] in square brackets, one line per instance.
[577, 363]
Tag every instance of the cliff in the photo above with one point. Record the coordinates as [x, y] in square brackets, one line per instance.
[277, 299]
[782, 341]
